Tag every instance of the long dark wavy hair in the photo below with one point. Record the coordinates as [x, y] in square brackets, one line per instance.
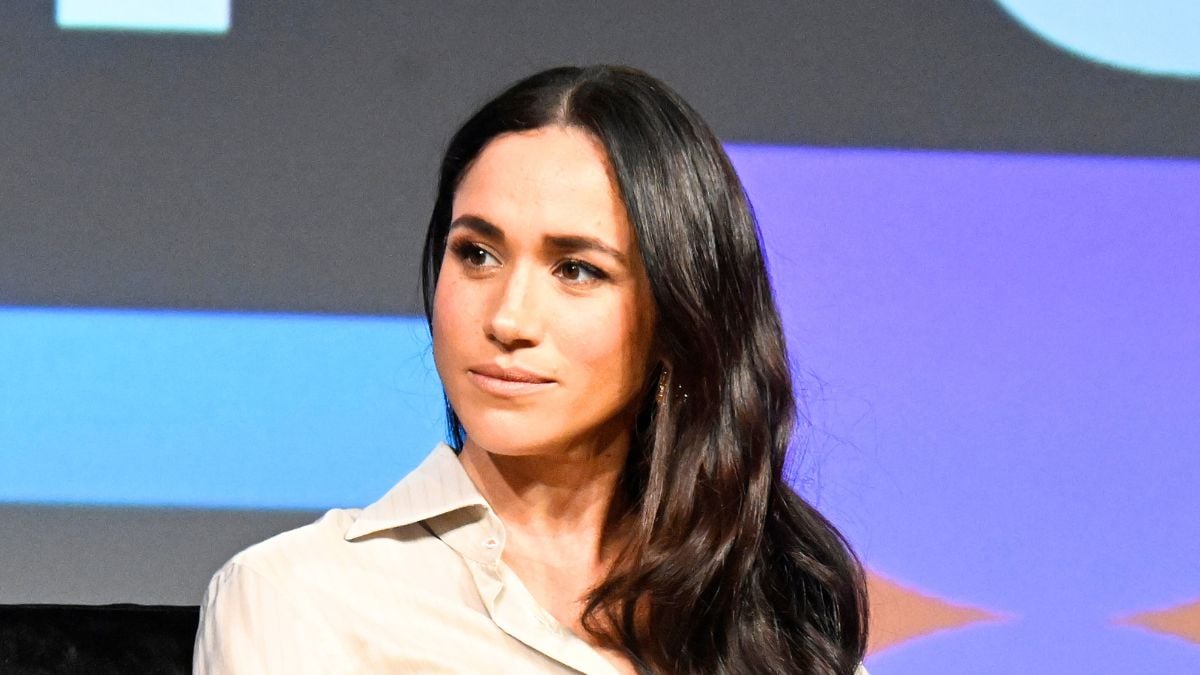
[726, 569]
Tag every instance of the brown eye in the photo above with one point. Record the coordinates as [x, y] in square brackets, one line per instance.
[578, 272]
[474, 256]
[477, 256]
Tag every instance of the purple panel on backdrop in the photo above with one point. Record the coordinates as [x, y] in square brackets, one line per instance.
[1003, 360]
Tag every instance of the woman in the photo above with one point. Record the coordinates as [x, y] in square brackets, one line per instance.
[620, 405]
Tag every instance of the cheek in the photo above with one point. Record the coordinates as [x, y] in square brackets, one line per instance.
[615, 346]
[449, 319]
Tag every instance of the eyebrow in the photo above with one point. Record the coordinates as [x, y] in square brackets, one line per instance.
[478, 226]
[560, 243]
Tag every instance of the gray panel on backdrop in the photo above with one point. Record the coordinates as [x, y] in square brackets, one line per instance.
[73, 555]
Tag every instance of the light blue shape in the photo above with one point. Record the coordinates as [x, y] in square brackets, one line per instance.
[172, 16]
[1155, 37]
[212, 410]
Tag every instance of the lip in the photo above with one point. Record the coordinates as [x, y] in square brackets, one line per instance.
[508, 382]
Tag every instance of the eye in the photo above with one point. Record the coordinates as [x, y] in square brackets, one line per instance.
[474, 255]
[579, 272]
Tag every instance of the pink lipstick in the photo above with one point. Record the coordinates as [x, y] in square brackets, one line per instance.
[508, 382]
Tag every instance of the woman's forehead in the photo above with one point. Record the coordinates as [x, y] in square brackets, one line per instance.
[551, 178]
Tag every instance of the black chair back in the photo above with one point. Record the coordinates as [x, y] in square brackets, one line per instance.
[96, 640]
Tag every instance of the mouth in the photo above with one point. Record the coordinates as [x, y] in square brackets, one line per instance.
[508, 382]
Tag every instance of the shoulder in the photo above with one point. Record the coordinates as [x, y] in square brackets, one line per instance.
[312, 586]
[347, 549]
[296, 553]
[328, 563]
[276, 576]
[321, 557]
[255, 604]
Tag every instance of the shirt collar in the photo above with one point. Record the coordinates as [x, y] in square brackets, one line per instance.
[438, 486]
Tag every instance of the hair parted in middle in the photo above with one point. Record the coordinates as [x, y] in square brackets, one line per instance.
[726, 569]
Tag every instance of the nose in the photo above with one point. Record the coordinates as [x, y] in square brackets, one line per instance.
[517, 316]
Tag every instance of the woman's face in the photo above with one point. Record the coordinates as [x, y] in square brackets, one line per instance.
[542, 317]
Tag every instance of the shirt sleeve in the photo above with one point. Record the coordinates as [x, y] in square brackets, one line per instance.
[249, 625]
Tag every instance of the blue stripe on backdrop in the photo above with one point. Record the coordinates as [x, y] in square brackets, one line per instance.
[165, 16]
[211, 410]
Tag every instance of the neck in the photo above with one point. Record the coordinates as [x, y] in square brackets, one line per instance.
[557, 508]
[565, 494]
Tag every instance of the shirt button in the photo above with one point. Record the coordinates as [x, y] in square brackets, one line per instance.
[490, 543]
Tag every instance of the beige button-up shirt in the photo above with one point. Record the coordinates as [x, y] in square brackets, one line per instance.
[413, 583]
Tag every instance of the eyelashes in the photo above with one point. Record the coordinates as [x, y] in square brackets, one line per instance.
[472, 255]
[477, 258]
[577, 271]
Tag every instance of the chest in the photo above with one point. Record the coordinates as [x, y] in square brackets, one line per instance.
[430, 609]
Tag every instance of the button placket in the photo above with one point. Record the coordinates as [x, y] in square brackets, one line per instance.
[493, 543]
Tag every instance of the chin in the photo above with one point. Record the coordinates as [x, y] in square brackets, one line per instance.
[506, 432]
[530, 434]
[508, 443]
